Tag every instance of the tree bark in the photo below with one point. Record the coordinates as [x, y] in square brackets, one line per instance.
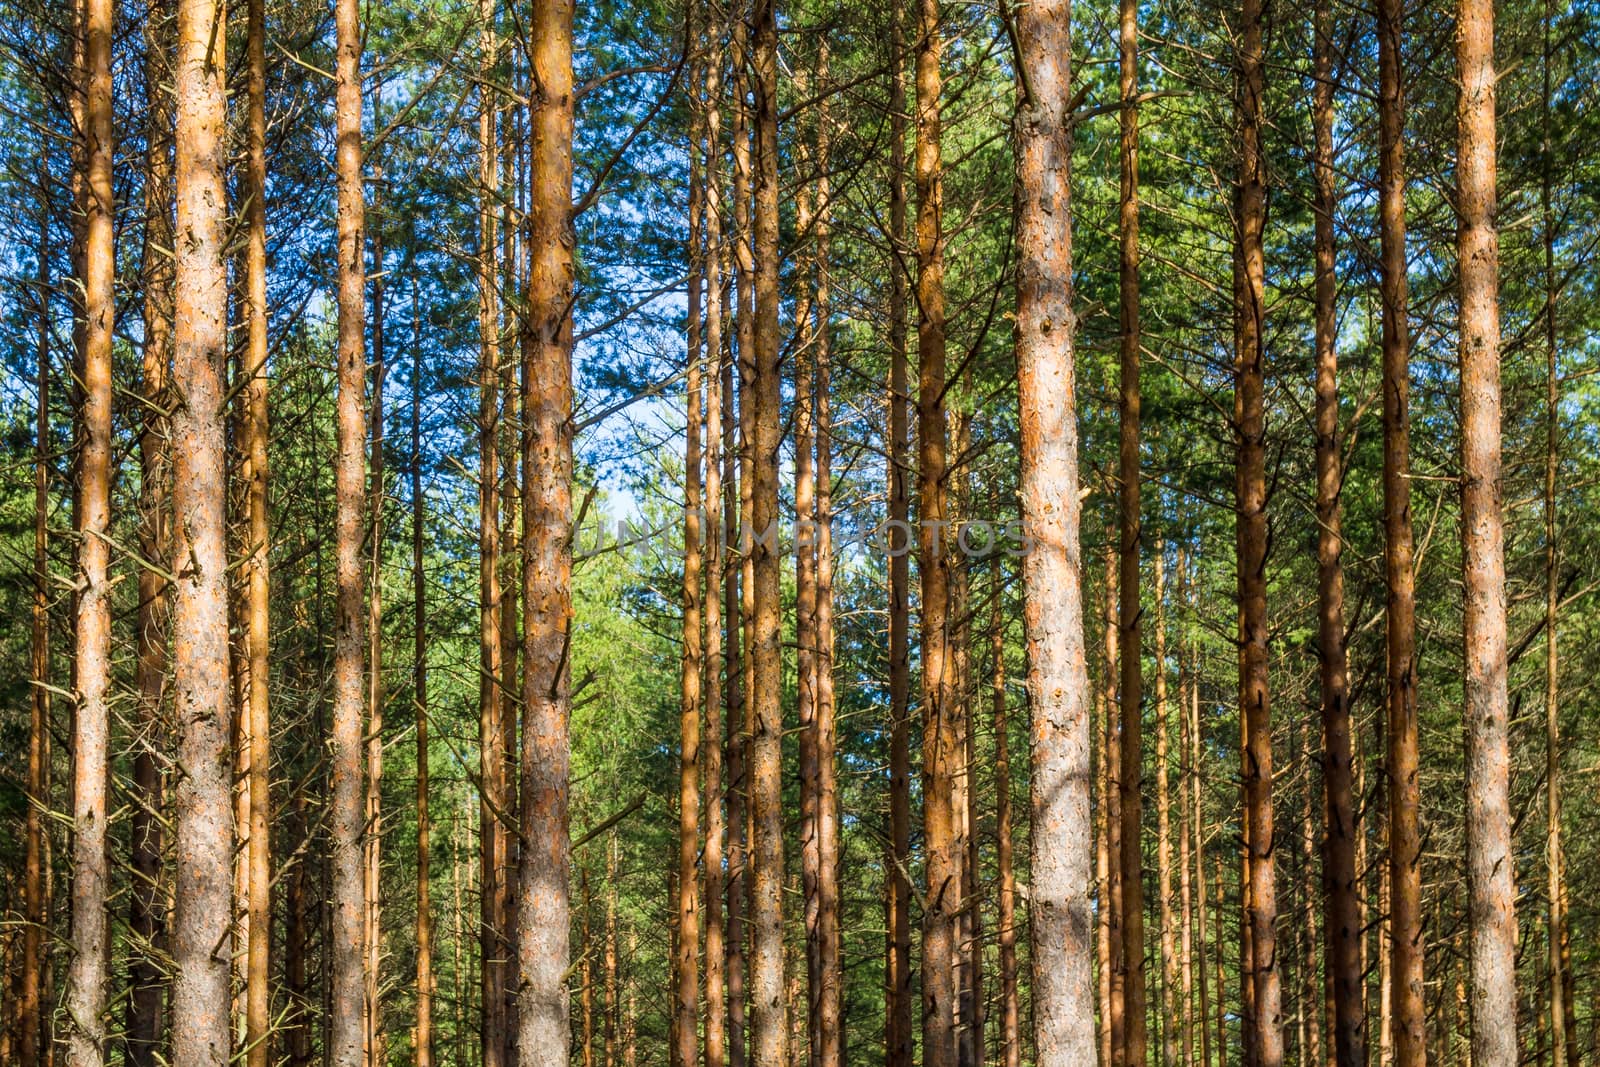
[1115, 1005]
[769, 1035]
[423, 1038]
[1197, 827]
[543, 950]
[492, 756]
[257, 577]
[1490, 871]
[898, 995]
[1265, 1040]
[1005, 864]
[686, 954]
[1405, 843]
[1063, 996]
[347, 1025]
[90, 936]
[1170, 1009]
[203, 703]
[1342, 920]
[1130, 778]
[941, 742]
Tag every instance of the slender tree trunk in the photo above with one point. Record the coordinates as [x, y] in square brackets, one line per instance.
[609, 1028]
[257, 578]
[1187, 944]
[898, 1037]
[686, 956]
[1111, 800]
[347, 1026]
[147, 993]
[1105, 903]
[1563, 1014]
[90, 936]
[586, 974]
[740, 590]
[542, 872]
[492, 756]
[203, 705]
[716, 560]
[1005, 865]
[1222, 1006]
[1265, 1040]
[419, 695]
[1310, 988]
[768, 1019]
[1405, 843]
[36, 911]
[1197, 826]
[941, 742]
[1063, 992]
[1130, 777]
[1490, 865]
[1170, 1017]
[805, 571]
[1342, 921]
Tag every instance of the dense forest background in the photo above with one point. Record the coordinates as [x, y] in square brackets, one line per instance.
[649, 71]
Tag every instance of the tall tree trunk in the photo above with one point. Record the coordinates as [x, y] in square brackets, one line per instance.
[36, 911]
[941, 741]
[1405, 842]
[740, 590]
[1490, 864]
[347, 1026]
[1130, 778]
[419, 696]
[609, 1028]
[1111, 774]
[1005, 866]
[1563, 1012]
[1265, 1040]
[1197, 827]
[715, 559]
[686, 955]
[805, 571]
[542, 871]
[203, 704]
[1187, 943]
[376, 1037]
[1342, 920]
[492, 756]
[1170, 1009]
[147, 993]
[768, 1023]
[898, 1039]
[586, 974]
[1063, 992]
[830, 1008]
[257, 577]
[90, 936]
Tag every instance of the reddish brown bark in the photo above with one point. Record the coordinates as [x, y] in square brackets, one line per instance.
[1490, 865]
[1130, 777]
[1005, 865]
[347, 994]
[1063, 997]
[941, 737]
[423, 1035]
[257, 577]
[1341, 920]
[898, 995]
[1114, 1004]
[543, 949]
[1405, 842]
[1264, 1040]
[203, 705]
[1170, 1011]
[769, 1035]
[90, 936]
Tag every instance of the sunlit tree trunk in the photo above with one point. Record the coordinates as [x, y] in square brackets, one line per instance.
[90, 936]
[203, 705]
[1063, 992]
[423, 1037]
[941, 740]
[347, 1015]
[1114, 1005]
[769, 1035]
[1490, 864]
[1170, 1009]
[1005, 864]
[543, 948]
